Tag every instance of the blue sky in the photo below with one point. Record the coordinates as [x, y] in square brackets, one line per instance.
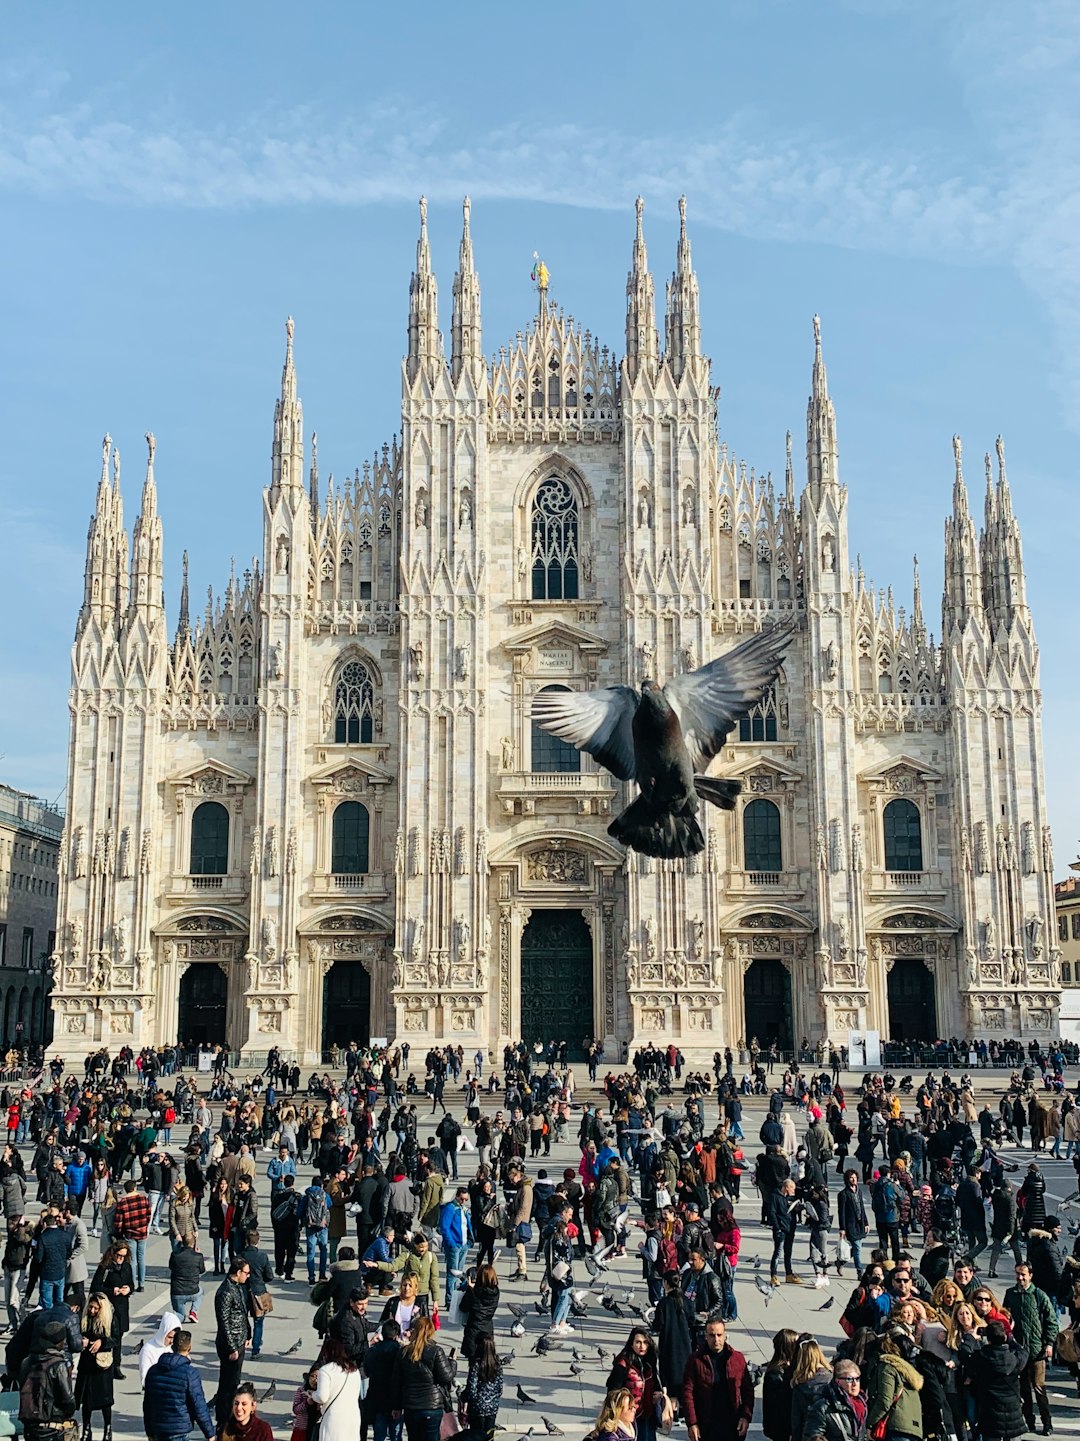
[174, 181]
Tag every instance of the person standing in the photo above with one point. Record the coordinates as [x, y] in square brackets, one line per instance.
[54, 1246]
[1035, 1327]
[233, 1336]
[838, 1411]
[483, 1390]
[315, 1214]
[173, 1399]
[425, 1378]
[94, 1378]
[717, 1391]
[380, 1367]
[285, 1219]
[16, 1265]
[993, 1374]
[455, 1228]
[46, 1398]
[242, 1422]
[782, 1216]
[114, 1280]
[260, 1274]
[337, 1392]
[131, 1223]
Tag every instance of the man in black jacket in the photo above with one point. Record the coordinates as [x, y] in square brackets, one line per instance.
[284, 1216]
[380, 1364]
[260, 1274]
[1003, 1225]
[233, 1334]
[30, 1337]
[702, 1293]
[348, 1325]
[784, 1211]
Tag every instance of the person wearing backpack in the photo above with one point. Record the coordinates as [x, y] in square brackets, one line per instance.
[448, 1131]
[46, 1397]
[16, 1265]
[285, 1220]
[885, 1200]
[315, 1218]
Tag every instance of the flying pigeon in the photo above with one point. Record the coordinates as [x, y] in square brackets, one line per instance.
[1074, 1228]
[755, 1373]
[581, 1297]
[609, 1303]
[524, 1397]
[552, 1429]
[268, 1394]
[827, 1306]
[516, 1310]
[664, 738]
[765, 1288]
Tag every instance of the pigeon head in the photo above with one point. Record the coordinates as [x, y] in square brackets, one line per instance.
[648, 686]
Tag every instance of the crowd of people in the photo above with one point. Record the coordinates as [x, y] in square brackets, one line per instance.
[406, 1213]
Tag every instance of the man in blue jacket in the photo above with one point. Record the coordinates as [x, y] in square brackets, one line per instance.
[173, 1399]
[54, 1246]
[455, 1228]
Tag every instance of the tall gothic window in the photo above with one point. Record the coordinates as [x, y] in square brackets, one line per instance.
[759, 724]
[354, 700]
[761, 837]
[555, 542]
[209, 840]
[350, 840]
[903, 836]
[551, 754]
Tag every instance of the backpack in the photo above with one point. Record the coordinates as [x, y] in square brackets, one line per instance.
[285, 1210]
[316, 1209]
[36, 1398]
[667, 1258]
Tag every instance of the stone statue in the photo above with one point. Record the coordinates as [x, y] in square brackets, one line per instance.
[1016, 970]
[972, 957]
[464, 514]
[1035, 930]
[689, 658]
[644, 515]
[420, 510]
[398, 974]
[416, 656]
[831, 660]
[676, 971]
[463, 660]
[824, 960]
[124, 862]
[78, 854]
[828, 554]
[648, 655]
[856, 847]
[1047, 851]
[286, 970]
[860, 968]
[587, 563]
[697, 937]
[252, 961]
[433, 974]
[417, 939]
[120, 940]
[633, 969]
[74, 935]
[444, 971]
[522, 562]
[650, 937]
[481, 972]
[507, 753]
[965, 848]
[843, 937]
[269, 935]
[1027, 848]
[688, 509]
[399, 853]
[982, 848]
[822, 850]
[281, 556]
[277, 661]
[989, 938]
[271, 851]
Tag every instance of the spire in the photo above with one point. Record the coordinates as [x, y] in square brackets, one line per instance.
[963, 584]
[1002, 551]
[313, 481]
[822, 456]
[918, 625]
[425, 342]
[183, 626]
[789, 476]
[683, 321]
[287, 461]
[103, 547]
[146, 565]
[642, 341]
[466, 348]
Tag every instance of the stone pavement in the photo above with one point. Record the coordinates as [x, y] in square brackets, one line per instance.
[568, 1402]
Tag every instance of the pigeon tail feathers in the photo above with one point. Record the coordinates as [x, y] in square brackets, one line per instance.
[721, 793]
[658, 834]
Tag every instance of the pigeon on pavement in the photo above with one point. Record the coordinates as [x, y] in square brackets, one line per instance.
[517, 1330]
[551, 1428]
[664, 738]
[505, 1361]
[827, 1306]
[269, 1393]
[576, 1370]
[295, 1346]
[524, 1397]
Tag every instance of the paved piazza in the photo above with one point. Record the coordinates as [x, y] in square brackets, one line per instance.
[569, 1402]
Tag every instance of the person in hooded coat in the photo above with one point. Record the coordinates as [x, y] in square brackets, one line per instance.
[672, 1326]
[153, 1350]
[993, 1374]
[1033, 1196]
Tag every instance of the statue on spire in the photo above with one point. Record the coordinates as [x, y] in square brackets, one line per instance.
[151, 446]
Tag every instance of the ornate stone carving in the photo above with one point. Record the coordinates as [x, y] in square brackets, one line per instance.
[416, 853]
[78, 853]
[481, 852]
[202, 923]
[556, 864]
[1027, 848]
[982, 848]
[1047, 851]
[856, 848]
[271, 851]
[822, 849]
[837, 858]
[460, 852]
[766, 921]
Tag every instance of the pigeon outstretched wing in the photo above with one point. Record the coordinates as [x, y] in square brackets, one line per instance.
[597, 721]
[710, 701]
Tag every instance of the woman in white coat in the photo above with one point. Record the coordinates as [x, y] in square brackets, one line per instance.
[338, 1394]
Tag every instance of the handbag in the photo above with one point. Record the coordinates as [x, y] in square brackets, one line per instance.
[262, 1305]
[879, 1429]
[1068, 1347]
[450, 1425]
[665, 1412]
[559, 1271]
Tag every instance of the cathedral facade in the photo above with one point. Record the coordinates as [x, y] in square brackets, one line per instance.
[320, 811]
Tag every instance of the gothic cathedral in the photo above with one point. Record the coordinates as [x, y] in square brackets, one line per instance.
[321, 812]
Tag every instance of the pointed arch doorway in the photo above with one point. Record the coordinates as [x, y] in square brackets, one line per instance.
[912, 1003]
[204, 996]
[346, 1005]
[557, 979]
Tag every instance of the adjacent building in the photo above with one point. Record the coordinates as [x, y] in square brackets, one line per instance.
[30, 833]
[320, 810]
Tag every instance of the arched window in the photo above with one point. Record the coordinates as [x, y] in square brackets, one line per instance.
[210, 840]
[761, 837]
[555, 542]
[354, 701]
[350, 847]
[549, 753]
[759, 724]
[903, 836]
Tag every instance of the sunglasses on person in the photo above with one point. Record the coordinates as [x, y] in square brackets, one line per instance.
[849, 1378]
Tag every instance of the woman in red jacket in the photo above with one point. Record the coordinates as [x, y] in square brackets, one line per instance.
[634, 1369]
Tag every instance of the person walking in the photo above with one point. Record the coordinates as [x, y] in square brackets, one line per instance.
[187, 1266]
[233, 1336]
[46, 1397]
[337, 1392]
[94, 1378]
[455, 1228]
[1035, 1327]
[16, 1264]
[260, 1274]
[53, 1247]
[1004, 1230]
[315, 1217]
[783, 1214]
[483, 1390]
[717, 1390]
[285, 1219]
[115, 1280]
[131, 1223]
[173, 1399]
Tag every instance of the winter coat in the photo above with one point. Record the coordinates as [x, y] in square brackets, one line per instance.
[803, 1397]
[106, 1279]
[776, 1404]
[348, 1328]
[697, 1388]
[77, 1269]
[894, 1387]
[1002, 1213]
[1033, 1192]
[423, 1385]
[1047, 1259]
[478, 1307]
[673, 1345]
[186, 1267]
[993, 1373]
[173, 1399]
[1034, 1318]
[14, 1189]
[231, 1311]
[831, 1416]
[851, 1214]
